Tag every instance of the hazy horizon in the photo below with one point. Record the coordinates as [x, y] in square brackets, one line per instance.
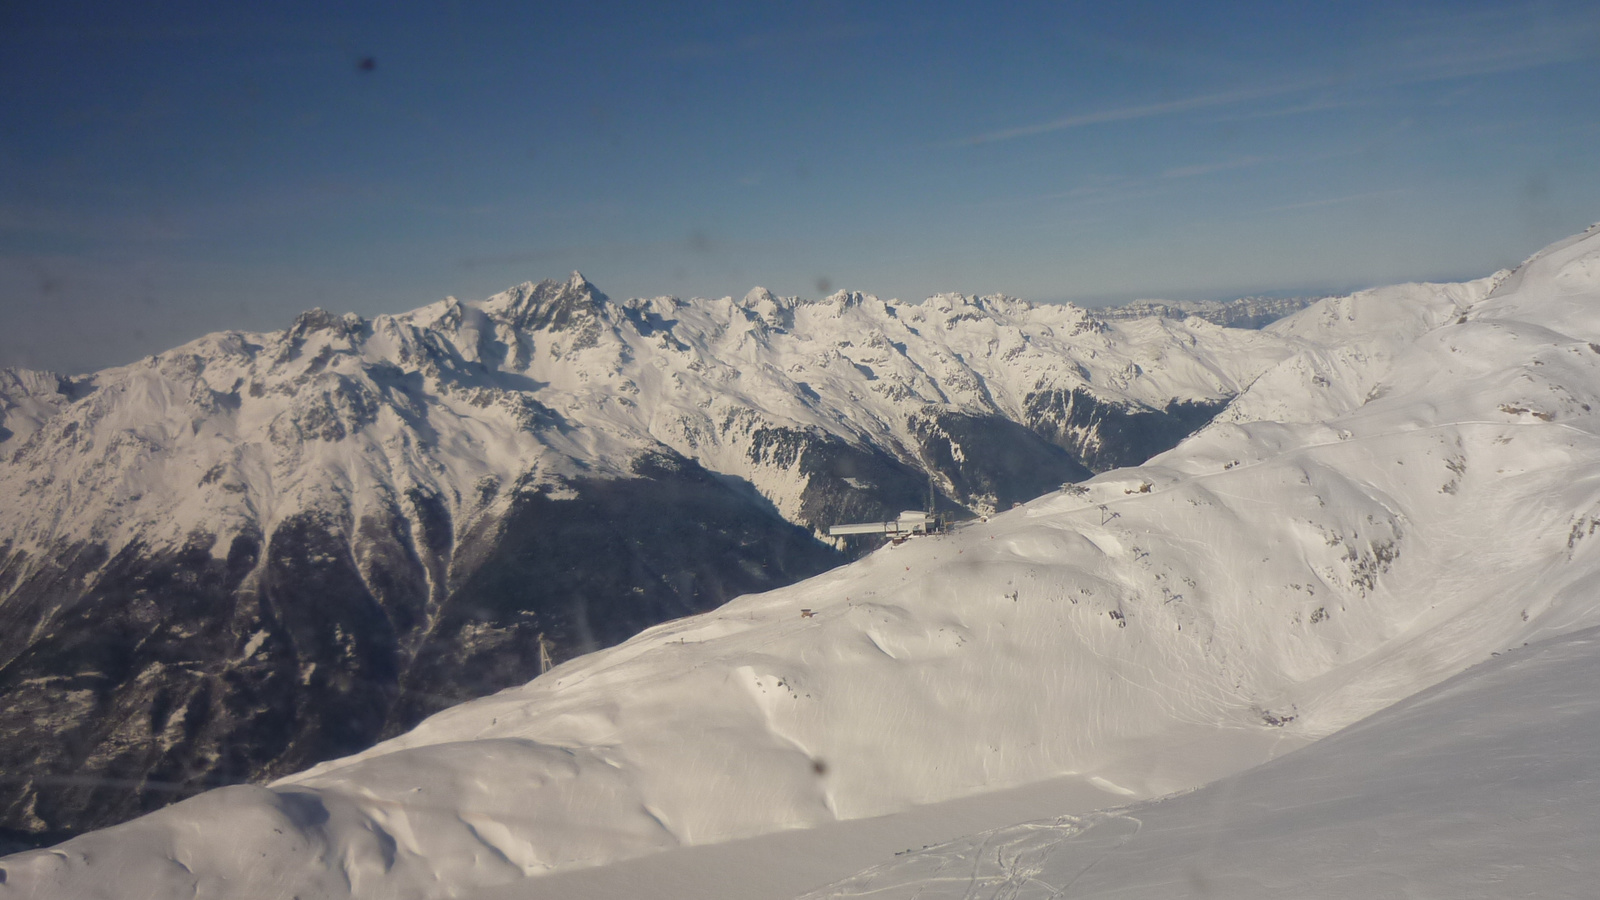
[172, 170]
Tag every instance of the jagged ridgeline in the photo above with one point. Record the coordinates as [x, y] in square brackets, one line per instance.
[257, 551]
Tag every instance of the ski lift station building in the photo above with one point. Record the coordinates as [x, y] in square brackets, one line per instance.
[912, 521]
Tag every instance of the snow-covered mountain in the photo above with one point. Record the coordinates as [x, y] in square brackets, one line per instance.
[1411, 490]
[258, 551]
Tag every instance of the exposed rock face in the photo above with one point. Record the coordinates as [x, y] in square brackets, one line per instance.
[257, 551]
[843, 482]
[591, 571]
[1108, 435]
[169, 671]
[994, 457]
[1245, 312]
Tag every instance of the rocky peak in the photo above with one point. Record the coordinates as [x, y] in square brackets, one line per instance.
[318, 319]
[758, 297]
[552, 305]
[775, 311]
[843, 300]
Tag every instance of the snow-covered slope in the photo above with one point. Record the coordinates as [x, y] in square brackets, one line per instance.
[258, 551]
[1273, 579]
[1482, 787]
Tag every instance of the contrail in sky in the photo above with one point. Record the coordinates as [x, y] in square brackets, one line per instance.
[1145, 111]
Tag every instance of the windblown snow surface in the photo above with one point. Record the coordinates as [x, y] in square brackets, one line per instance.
[1413, 491]
[1483, 787]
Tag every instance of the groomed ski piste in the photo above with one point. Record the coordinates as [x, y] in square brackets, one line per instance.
[1413, 492]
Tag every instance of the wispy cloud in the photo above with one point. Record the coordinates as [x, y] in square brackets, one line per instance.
[1243, 162]
[96, 225]
[793, 40]
[697, 243]
[1144, 111]
[1120, 190]
[1297, 109]
[1334, 201]
[1423, 49]
[1507, 38]
[1124, 189]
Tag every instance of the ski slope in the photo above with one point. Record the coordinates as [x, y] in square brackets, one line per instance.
[1412, 491]
[1482, 787]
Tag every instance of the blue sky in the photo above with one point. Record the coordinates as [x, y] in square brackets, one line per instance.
[172, 169]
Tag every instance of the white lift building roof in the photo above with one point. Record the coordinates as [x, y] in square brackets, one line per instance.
[912, 521]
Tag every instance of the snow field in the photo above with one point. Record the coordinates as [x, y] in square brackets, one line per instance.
[1482, 787]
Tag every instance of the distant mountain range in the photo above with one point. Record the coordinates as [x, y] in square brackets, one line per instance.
[254, 552]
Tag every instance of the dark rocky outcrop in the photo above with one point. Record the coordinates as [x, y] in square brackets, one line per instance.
[1102, 435]
[1245, 312]
[593, 570]
[169, 673]
[844, 482]
[991, 458]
